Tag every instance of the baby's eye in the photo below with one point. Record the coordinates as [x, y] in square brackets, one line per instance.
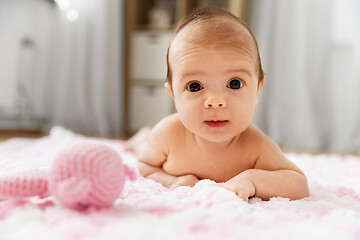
[194, 87]
[235, 84]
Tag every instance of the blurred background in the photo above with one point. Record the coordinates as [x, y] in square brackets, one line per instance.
[97, 67]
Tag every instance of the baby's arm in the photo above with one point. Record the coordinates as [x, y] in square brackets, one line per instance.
[273, 176]
[154, 153]
[167, 180]
[269, 183]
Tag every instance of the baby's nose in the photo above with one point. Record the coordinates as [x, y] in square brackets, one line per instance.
[215, 102]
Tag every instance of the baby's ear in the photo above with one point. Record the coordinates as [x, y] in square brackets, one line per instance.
[169, 88]
[261, 82]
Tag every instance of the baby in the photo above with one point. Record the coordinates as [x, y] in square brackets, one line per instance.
[214, 78]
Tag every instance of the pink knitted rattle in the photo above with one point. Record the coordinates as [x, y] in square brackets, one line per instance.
[82, 175]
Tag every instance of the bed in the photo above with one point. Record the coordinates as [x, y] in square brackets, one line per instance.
[147, 210]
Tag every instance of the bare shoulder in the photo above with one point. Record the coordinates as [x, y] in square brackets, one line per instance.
[255, 135]
[269, 154]
[159, 140]
[165, 132]
[167, 128]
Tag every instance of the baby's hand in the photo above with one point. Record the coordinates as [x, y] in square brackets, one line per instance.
[186, 180]
[241, 186]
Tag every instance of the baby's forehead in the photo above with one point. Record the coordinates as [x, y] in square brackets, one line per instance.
[220, 32]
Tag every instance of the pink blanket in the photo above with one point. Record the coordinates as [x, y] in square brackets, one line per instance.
[146, 210]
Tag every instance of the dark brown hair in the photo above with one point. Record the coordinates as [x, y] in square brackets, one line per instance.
[204, 14]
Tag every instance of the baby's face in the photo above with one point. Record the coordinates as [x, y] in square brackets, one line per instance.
[215, 90]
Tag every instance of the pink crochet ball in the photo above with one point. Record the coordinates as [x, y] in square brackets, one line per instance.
[87, 174]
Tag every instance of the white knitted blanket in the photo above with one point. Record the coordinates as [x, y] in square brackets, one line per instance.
[147, 210]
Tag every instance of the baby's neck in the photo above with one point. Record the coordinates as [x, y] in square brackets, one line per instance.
[214, 146]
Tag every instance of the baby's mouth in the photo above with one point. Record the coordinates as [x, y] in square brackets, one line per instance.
[216, 123]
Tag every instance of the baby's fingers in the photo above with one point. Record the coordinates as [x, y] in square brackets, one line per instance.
[241, 191]
[243, 196]
[186, 180]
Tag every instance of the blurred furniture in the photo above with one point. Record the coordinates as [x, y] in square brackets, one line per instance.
[7, 134]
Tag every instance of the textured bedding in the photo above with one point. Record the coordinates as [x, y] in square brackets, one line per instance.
[147, 210]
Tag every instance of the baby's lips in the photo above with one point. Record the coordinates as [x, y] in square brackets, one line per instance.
[216, 123]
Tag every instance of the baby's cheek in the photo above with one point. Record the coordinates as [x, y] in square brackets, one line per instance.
[190, 118]
[187, 121]
[246, 109]
[187, 107]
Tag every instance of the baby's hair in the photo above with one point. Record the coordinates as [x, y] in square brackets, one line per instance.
[205, 14]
